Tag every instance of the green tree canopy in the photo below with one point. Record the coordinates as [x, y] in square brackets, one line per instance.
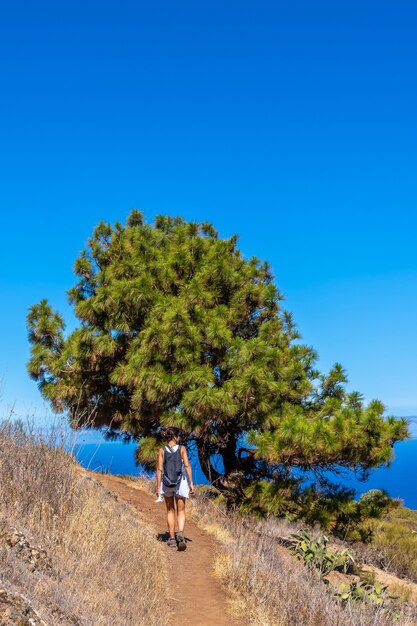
[177, 328]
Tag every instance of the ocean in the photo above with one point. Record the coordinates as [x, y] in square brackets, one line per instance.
[399, 479]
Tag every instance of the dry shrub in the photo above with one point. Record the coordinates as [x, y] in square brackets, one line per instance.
[270, 588]
[106, 567]
[394, 543]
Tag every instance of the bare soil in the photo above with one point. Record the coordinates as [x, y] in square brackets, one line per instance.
[195, 596]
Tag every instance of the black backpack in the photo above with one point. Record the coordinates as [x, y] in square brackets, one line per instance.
[172, 467]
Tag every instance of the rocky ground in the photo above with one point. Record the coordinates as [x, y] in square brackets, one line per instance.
[15, 611]
[33, 556]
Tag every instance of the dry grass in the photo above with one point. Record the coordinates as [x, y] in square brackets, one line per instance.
[270, 588]
[106, 569]
[394, 543]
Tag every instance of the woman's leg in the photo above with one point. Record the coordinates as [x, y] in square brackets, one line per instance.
[181, 523]
[169, 501]
[180, 513]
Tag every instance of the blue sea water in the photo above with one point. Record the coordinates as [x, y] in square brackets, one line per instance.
[118, 457]
[399, 479]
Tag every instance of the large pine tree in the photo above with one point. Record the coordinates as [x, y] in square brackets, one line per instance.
[178, 328]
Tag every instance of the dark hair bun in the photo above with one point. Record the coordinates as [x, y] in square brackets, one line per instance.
[171, 433]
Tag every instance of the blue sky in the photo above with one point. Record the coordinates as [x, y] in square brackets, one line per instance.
[292, 124]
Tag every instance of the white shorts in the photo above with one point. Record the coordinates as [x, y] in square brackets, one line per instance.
[182, 490]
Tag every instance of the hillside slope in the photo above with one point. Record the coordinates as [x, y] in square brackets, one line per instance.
[71, 554]
[196, 597]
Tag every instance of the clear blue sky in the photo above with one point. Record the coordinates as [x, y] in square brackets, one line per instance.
[293, 124]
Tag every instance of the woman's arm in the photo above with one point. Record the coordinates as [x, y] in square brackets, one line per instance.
[159, 464]
[187, 466]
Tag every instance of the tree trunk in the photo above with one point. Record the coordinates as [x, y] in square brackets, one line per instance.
[229, 483]
[213, 476]
[229, 455]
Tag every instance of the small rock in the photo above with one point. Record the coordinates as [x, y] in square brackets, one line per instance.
[14, 610]
[35, 557]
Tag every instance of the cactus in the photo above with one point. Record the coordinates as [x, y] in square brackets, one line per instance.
[316, 555]
[361, 591]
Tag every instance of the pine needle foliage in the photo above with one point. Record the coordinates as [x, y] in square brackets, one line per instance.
[177, 328]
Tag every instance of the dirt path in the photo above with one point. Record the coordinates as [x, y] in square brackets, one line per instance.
[197, 597]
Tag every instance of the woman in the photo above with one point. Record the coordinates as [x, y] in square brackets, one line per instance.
[175, 481]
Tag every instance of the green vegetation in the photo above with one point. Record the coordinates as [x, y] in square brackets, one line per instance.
[178, 328]
[393, 542]
[271, 588]
[332, 507]
[316, 555]
[361, 591]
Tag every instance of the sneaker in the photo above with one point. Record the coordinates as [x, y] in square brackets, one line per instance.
[181, 541]
[172, 542]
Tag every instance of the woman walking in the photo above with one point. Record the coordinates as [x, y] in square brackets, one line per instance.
[174, 481]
